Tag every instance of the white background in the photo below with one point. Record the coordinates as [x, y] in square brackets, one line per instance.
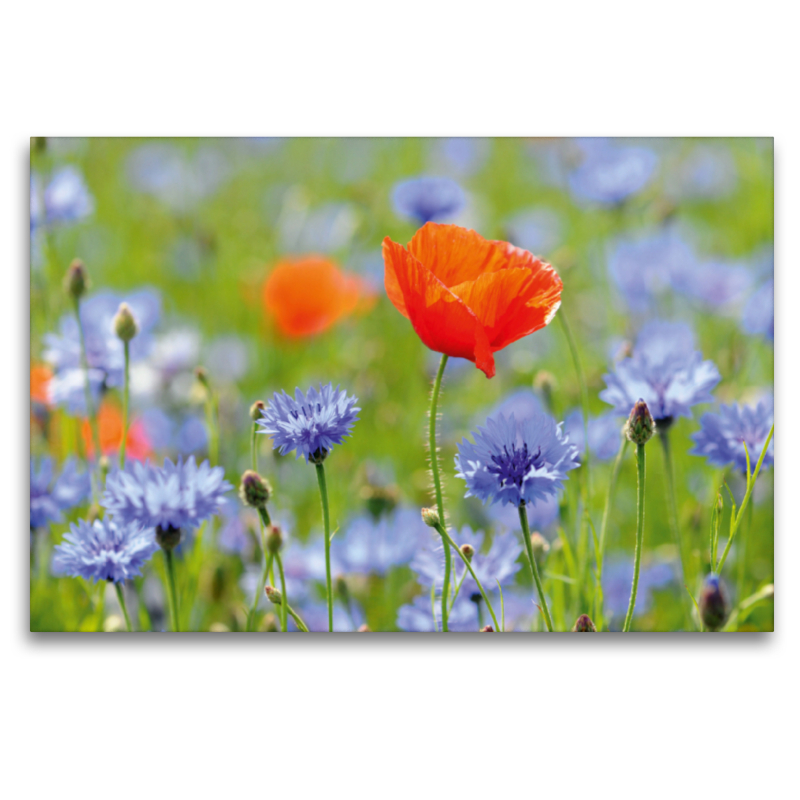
[382, 716]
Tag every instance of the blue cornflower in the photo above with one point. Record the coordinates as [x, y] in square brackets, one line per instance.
[665, 371]
[418, 615]
[376, 546]
[48, 498]
[759, 313]
[65, 199]
[309, 423]
[617, 578]
[104, 349]
[708, 172]
[605, 433]
[315, 616]
[428, 199]
[537, 230]
[180, 495]
[610, 173]
[540, 516]
[721, 435]
[515, 461]
[713, 282]
[104, 550]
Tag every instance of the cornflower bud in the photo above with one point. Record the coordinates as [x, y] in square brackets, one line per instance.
[584, 625]
[76, 281]
[125, 325]
[254, 490]
[487, 629]
[430, 516]
[274, 539]
[273, 595]
[468, 551]
[713, 603]
[256, 409]
[640, 426]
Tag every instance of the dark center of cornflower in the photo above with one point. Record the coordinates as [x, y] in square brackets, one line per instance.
[511, 468]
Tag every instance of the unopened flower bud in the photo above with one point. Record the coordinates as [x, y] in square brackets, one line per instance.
[467, 550]
[379, 499]
[274, 539]
[364, 629]
[168, 538]
[430, 516]
[539, 545]
[76, 281]
[256, 409]
[713, 603]
[584, 625]
[487, 629]
[254, 490]
[125, 325]
[273, 595]
[640, 425]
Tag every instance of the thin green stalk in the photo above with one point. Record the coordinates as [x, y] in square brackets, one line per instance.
[573, 349]
[284, 598]
[437, 484]
[90, 411]
[297, 621]
[212, 420]
[741, 558]
[125, 400]
[637, 559]
[259, 589]
[121, 598]
[326, 520]
[253, 448]
[526, 535]
[173, 594]
[449, 541]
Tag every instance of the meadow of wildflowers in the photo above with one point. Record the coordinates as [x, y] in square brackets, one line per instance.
[245, 352]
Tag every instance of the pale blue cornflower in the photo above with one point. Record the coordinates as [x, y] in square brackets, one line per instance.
[758, 317]
[617, 578]
[516, 462]
[310, 424]
[537, 230]
[428, 198]
[180, 495]
[721, 435]
[665, 371]
[65, 199]
[605, 433]
[418, 615]
[708, 172]
[50, 498]
[104, 550]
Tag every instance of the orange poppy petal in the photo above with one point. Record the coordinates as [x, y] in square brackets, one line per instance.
[440, 318]
[40, 379]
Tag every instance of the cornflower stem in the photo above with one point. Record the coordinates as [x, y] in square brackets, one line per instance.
[612, 485]
[284, 598]
[253, 448]
[736, 517]
[299, 622]
[576, 361]
[212, 420]
[121, 598]
[446, 538]
[741, 559]
[259, 589]
[173, 595]
[526, 535]
[326, 521]
[90, 412]
[125, 401]
[437, 484]
[637, 558]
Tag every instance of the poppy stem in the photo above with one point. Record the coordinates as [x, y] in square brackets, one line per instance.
[326, 520]
[121, 598]
[573, 349]
[126, 391]
[637, 558]
[437, 484]
[526, 535]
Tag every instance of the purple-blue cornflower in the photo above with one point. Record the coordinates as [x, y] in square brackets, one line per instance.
[311, 423]
[428, 198]
[537, 230]
[418, 615]
[713, 282]
[180, 495]
[610, 173]
[104, 550]
[759, 312]
[617, 578]
[540, 516]
[707, 172]
[665, 371]
[104, 349]
[50, 498]
[65, 199]
[721, 435]
[315, 616]
[515, 461]
[605, 433]
[375, 546]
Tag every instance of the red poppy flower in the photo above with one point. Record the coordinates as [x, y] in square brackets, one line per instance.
[307, 295]
[40, 378]
[109, 421]
[467, 296]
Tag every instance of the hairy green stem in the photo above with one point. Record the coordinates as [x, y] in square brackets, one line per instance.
[253, 448]
[173, 594]
[299, 622]
[637, 558]
[437, 484]
[284, 598]
[121, 598]
[125, 401]
[526, 535]
[259, 589]
[326, 521]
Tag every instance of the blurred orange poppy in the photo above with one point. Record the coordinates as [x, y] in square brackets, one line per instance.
[40, 378]
[109, 420]
[307, 295]
[467, 296]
